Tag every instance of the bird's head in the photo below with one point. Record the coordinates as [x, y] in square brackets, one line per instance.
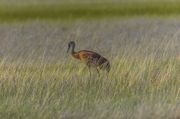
[71, 44]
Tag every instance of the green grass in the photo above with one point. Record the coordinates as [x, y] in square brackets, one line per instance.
[136, 88]
[80, 11]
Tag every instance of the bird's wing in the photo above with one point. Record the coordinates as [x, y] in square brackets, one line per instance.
[96, 59]
[88, 55]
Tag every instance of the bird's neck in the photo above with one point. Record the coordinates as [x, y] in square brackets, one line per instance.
[73, 53]
[72, 49]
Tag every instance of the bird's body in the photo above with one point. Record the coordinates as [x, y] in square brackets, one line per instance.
[90, 58]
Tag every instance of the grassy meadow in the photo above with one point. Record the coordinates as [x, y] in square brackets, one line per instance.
[70, 11]
[39, 80]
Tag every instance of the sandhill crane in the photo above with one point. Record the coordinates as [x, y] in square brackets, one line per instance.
[90, 58]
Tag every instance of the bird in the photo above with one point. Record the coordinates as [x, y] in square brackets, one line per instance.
[90, 58]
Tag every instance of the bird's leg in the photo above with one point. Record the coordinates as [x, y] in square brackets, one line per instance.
[89, 70]
[98, 71]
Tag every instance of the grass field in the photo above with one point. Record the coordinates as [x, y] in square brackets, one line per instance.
[39, 80]
[143, 88]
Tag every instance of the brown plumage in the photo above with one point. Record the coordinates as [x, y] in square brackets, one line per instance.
[90, 58]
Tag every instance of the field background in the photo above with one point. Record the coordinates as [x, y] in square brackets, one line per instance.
[23, 10]
[39, 80]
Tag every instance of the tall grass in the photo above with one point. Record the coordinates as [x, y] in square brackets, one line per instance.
[136, 88]
[38, 80]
